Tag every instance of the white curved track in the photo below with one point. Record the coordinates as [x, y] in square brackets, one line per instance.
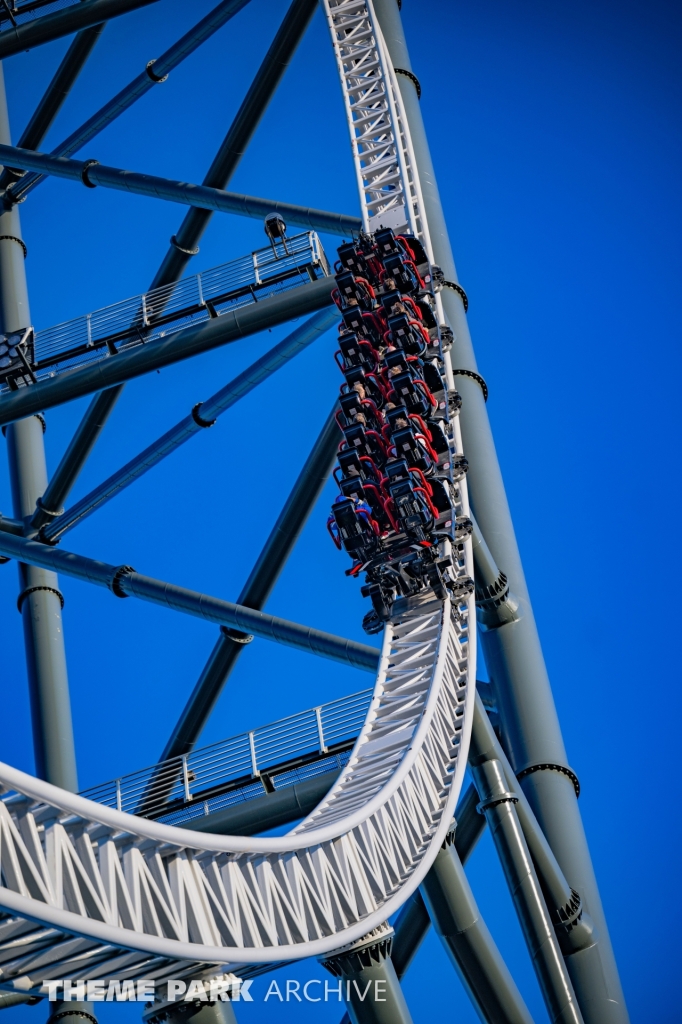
[90, 892]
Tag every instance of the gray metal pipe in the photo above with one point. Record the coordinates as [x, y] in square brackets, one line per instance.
[471, 948]
[40, 601]
[497, 803]
[75, 457]
[156, 71]
[446, 900]
[229, 326]
[257, 589]
[495, 604]
[92, 173]
[125, 582]
[532, 735]
[63, 23]
[203, 415]
[184, 244]
[8, 999]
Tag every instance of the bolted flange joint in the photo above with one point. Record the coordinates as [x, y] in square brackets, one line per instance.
[117, 580]
[495, 604]
[374, 948]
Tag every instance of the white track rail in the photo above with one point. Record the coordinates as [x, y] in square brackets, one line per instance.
[90, 892]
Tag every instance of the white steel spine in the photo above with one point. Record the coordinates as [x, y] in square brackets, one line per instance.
[378, 155]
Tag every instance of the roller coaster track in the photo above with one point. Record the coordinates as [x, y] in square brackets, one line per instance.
[89, 891]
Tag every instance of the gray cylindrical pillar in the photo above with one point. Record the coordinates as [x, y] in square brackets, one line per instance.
[40, 600]
[470, 946]
[71, 1012]
[497, 803]
[369, 984]
[513, 653]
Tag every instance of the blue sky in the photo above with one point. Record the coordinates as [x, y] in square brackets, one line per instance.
[555, 132]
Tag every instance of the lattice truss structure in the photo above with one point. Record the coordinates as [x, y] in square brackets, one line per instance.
[90, 891]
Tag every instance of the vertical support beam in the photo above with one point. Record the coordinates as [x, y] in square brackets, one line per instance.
[470, 946]
[497, 803]
[368, 981]
[40, 600]
[532, 735]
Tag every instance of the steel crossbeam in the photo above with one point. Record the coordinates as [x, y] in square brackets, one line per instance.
[228, 327]
[184, 244]
[92, 173]
[63, 22]
[157, 71]
[125, 582]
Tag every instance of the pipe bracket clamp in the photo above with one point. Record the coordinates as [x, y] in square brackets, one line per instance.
[474, 376]
[31, 590]
[460, 291]
[198, 419]
[413, 78]
[493, 801]
[19, 241]
[236, 635]
[150, 74]
[176, 245]
[84, 173]
[48, 511]
[546, 767]
[71, 1013]
[116, 582]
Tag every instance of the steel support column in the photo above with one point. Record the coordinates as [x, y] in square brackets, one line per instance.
[40, 601]
[470, 946]
[75, 456]
[154, 74]
[497, 803]
[413, 920]
[369, 984]
[513, 653]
